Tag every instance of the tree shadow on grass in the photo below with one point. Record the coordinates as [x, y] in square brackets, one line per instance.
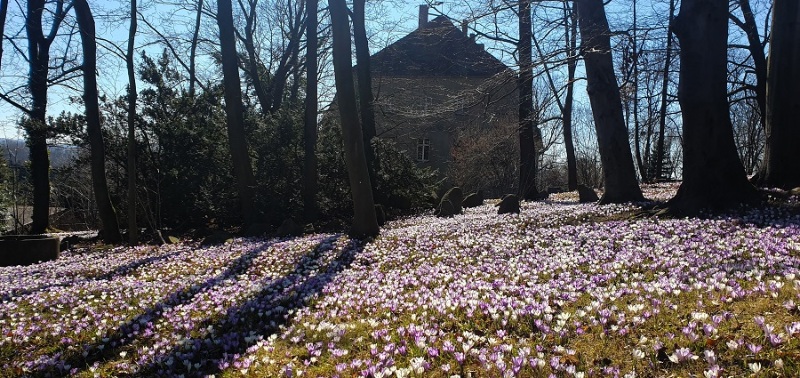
[121, 270]
[260, 316]
[109, 346]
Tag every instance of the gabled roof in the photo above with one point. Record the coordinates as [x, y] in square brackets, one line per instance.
[438, 49]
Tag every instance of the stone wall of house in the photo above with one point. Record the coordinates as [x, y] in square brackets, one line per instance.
[410, 110]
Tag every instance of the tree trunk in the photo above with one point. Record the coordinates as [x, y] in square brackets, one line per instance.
[364, 220]
[636, 124]
[133, 229]
[310, 173]
[662, 113]
[782, 157]
[234, 111]
[108, 216]
[193, 49]
[365, 96]
[3, 12]
[619, 174]
[713, 175]
[278, 82]
[527, 142]
[252, 61]
[572, 63]
[36, 125]
[756, 50]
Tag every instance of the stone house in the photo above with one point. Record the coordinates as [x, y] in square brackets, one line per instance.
[435, 83]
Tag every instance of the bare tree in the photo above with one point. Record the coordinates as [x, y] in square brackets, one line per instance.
[713, 176]
[193, 47]
[108, 216]
[365, 97]
[310, 173]
[133, 229]
[270, 87]
[612, 137]
[36, 125]
[364, 220]
[748, 133]
[234, 111]
[756, 49]
[571, 37]
[570, 19]
[662, 113]
[254, 68]
[3, 13]
[527, 143]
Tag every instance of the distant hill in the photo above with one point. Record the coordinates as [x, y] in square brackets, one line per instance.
[16, 152]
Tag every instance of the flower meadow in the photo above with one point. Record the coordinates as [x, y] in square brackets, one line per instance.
[562, 289]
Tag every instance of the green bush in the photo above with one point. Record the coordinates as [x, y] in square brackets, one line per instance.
[184, 173]
[401, 186]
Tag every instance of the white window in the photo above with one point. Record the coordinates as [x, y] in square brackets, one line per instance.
[423, 149]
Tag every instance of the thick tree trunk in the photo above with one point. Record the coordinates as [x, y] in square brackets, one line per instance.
[234, 111]
[571, 35]
[619, 174]
[662, 113]
[310, 173]
[108, 216]
[527, 142]
[713, 175]
[364, 220]
[782, 156]
[365, 97]
[36, 125]
[133, 229]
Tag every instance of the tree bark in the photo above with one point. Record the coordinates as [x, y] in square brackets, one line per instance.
[636, 124]
[571, 35]
[310, 173]
[756, 50]
[133, 229]
[619, 173]
[193, 49]
[108, 216]
[713, 175]
[278, 82]
[270, 94]
[364, 220]
[662, 113]
[252, 61]
[3, 13]
[782, 157]
[365, 97]
[527, 142]
[36, 125]
[234, 111]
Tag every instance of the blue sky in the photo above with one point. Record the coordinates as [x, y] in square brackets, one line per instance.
[390, 21]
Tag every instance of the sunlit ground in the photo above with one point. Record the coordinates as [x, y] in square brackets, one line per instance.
[563, 288]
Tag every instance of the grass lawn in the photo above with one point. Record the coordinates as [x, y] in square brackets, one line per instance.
[562, 289]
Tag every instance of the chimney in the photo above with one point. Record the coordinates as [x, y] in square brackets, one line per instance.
[423, 16]
[464, 27]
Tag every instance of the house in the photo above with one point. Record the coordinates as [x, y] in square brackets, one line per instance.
[433, 85]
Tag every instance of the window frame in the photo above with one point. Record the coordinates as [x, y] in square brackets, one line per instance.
[423, 150]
